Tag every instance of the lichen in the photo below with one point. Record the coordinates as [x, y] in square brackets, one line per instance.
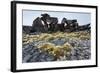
[56, 50]
[83, 37]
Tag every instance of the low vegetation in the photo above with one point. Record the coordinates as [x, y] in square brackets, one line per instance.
[56, 50]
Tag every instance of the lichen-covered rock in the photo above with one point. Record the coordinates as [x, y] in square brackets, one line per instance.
[57, 46]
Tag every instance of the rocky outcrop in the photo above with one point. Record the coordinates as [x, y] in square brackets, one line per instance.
[38, 26]
[47, 23]
[50, 22]
[70, 25]
[84, 27]
[26, 29]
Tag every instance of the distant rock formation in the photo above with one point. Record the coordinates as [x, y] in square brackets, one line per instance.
[72, 25]
[47, 23]
[26, 29]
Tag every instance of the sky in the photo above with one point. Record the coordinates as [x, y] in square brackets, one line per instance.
[82, 18]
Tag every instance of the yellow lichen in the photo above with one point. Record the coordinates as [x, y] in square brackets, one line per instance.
[82, 37]
[46, 46]
[55, 50]
[67, 47]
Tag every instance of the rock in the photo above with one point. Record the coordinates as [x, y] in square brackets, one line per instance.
[80, 49]
[38, 26]
[26, 29]
[84, 27]
[80, 54]
[26, 58]
[50, 58]
[28, 51]
[49, 21]
[84, 43]
[25, 51]
[44, 57]
[46, 23]
[58, 41]
[70, 25]
[31, 53]
[34, 57]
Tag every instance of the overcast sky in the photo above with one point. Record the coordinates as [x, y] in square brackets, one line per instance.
[82, 18]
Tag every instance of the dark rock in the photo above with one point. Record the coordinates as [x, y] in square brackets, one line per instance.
[69, 25]
[44, 57]
[47, 23]
[26, 29]
[84, 27]
[50, 22]
[60, 27]
[34, 57]
[38, 26]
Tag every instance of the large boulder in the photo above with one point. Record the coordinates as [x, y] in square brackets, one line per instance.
[38, 26]
[51, 22]
[69, 25]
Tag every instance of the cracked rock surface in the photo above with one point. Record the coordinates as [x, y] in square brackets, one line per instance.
[81, 50]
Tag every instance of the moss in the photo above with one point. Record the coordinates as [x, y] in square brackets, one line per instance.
[82, 37]
[67, 47]
[57, 51]
[27, 42]
[46, 46]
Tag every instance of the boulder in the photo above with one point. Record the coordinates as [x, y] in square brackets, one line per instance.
[84, 27]
[26, 29]
[51, 22]
[38, 26]
[69, 25]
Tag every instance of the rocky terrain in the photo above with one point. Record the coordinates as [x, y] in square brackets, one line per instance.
[56, 46]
